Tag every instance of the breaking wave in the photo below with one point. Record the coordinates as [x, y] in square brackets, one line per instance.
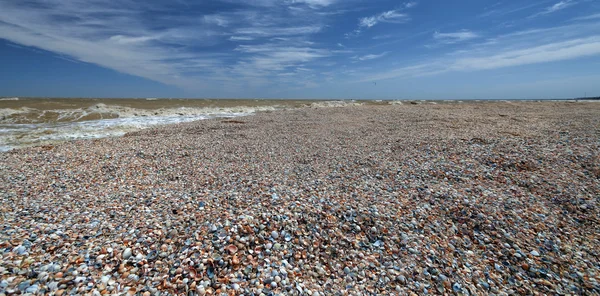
[327, 104]
[25, 115]
[30, 126]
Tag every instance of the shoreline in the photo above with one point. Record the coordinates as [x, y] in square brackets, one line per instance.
[92, 118]
[449, 198]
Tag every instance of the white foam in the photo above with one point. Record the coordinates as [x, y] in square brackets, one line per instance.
[6, 112]
[103, 111]
[329, 104]
[9, 99]
[16, 135]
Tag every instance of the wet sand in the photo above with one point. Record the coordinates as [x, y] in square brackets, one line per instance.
[471, 199]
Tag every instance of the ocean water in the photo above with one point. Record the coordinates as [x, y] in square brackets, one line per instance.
[35, 121]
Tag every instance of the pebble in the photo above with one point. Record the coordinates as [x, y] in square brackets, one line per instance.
[370, 200]
[32, 289]
[127, 253]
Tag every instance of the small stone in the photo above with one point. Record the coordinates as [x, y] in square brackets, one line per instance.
[127, 253]
[53, 286]
[20, 250]
[347, 270]
[275, 235]
[32, 289]
[24, 285]
[535, 253]
[105, 279]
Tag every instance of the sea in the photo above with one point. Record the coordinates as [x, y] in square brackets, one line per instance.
[40, 121]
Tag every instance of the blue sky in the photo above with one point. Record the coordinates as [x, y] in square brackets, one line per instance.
[462, 49]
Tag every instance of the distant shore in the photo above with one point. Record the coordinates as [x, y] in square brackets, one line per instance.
[399, 199]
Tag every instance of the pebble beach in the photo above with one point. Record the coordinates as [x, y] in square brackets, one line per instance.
[488, 198]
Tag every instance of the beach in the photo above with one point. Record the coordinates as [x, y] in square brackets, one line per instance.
[473, 198]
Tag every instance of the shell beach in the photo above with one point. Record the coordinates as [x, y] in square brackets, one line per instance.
[490, 198]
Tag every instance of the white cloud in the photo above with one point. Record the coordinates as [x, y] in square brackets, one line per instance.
[454, 37]
[276, 57]
[534, 46]
[556, 7]
[540, 54]
[559, 6]
[216, 19]
[410, 4]
[240, 38]
[391, 16]
[270, 31]
[130, 39]
[119, 35]
[369, 57]
[588, 17]
[315, 3]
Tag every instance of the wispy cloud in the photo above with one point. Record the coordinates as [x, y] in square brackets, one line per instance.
[217, 20]
[410, 4]
[396, 16]
[241, 38]
[178, 51]
[540, 54]
[498, 10]
[369, 57]
[454, 37]
[276, 57]
[391, 16]
[270, 31]
[515, 49]
[555, 7]
[315, 3]
[588, 17]
[381, 37]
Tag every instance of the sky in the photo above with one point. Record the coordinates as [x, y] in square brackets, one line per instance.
[317, 49]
